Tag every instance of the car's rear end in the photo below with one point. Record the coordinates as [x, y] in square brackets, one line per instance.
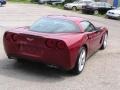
[37, 48]
[2, 2]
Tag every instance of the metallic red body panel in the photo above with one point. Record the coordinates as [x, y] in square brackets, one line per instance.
[22, 43]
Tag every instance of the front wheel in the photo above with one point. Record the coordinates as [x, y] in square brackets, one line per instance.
[80, 61]
[96, 12]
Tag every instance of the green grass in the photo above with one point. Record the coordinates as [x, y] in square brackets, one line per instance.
[59, 6]
[100, 15]
[20, 1]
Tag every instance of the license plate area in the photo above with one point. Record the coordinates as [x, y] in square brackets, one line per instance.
[30, 49]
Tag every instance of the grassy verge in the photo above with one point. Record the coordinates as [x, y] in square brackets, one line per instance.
[20, 1]
[59, 6]
[100, 15]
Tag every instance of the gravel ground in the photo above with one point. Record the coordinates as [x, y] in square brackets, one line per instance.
[102, 70]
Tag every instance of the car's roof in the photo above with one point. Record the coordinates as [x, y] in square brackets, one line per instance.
[71, 18]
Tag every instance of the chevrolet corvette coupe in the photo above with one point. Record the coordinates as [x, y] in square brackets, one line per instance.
[62, 41]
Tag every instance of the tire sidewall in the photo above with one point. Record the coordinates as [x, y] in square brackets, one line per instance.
[76, 68]
[103, 46]
[74, 8]
[96, 12]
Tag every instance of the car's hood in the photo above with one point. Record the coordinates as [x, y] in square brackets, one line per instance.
[68, 38]
[115, 11]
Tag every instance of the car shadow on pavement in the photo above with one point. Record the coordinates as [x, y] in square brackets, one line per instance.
[31, 71]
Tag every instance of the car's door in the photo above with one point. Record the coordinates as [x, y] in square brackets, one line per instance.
[94, 36]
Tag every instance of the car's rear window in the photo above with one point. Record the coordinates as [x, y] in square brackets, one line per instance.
[54, 25]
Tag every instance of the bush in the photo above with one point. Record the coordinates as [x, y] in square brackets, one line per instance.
[34, 0]
[66, 1]
[20, 0]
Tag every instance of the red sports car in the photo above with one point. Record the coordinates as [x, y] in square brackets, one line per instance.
[62, 41]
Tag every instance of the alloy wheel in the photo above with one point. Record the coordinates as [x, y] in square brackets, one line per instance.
[82, 59]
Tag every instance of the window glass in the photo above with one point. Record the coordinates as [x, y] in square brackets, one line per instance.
[76, 2]
[100, 4]
[87, 2]
[93, 4]
[107, 5]
[87, 26]
[54, 25]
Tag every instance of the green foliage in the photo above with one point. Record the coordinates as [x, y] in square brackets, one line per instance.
[34, 0]
[68, 1]
[24, 1]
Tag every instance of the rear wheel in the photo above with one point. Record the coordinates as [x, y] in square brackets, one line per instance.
[74, 8]
[96, 12]
[80, 61]
[0, 4]
[104, 44]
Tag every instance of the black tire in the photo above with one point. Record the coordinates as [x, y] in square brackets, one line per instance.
[76, 70]
[20, 60]
[104, 43]
[106, 16]
[83, 12]
[74, 8]
[96, 12]
[0, 4]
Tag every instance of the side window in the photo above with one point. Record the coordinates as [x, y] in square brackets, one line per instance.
[80, 2]
[101, 4]
[87, 26]
[107, 5]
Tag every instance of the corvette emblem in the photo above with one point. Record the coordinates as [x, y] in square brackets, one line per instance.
[30, 39]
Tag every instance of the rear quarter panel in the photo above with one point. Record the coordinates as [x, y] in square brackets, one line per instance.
[75, 47]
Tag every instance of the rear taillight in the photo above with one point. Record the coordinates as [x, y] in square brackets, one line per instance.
[7, 36]
[51, 43]
[61, 45]
[55, 44]
[10, 36]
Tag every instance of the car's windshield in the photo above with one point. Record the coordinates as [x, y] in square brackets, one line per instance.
[54, 25]
[93, 4]
[76, 2]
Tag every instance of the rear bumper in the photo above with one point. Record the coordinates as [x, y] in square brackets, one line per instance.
[60, 62]
[60, 58]
[113, 16]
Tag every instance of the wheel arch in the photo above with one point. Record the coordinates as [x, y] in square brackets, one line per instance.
[75, 7]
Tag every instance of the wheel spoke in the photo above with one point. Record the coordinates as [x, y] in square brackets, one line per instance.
[82, 59]
[105, 41]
